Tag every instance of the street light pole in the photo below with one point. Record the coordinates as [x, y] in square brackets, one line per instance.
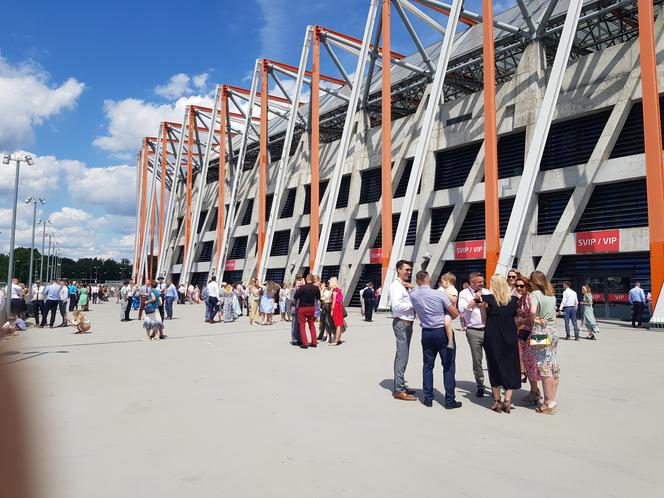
[48, 259]
[41, 265]
[34, 226]
[7, 158]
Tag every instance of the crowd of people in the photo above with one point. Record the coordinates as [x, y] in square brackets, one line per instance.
[512, 322]
[69, 299]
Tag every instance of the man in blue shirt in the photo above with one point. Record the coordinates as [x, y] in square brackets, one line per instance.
[430, 307]
[169, 299]
[73, 296]
[637, 299]
[51, 300]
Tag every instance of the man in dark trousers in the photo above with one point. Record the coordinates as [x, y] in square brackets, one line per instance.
[295, 325]
[369, 296]
[306, 297]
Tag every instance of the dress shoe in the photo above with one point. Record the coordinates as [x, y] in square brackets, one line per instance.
[404, 396]
[410, 391]
[480, 391]
[428, 403]
[452, 405]
[303, 346]
[313, 345]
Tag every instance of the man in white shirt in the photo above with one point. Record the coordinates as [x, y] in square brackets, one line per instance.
[181, 291]
[362, 305]
[65, 296]
[95, 293]
[37, 298]
[161, 287]
[470, 304]
[16, 296]
[403, 316]
[568, 306]
[213, 299]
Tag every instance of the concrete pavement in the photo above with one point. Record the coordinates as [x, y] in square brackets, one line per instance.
[233, 410]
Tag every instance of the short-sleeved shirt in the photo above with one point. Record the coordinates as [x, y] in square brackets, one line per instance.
[150, 307]
[546, 306]
[430, 307]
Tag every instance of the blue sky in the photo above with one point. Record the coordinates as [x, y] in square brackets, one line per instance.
[81, 82]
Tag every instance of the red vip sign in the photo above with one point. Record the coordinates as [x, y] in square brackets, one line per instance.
[602, 241]
[598, 297]
[230, 265]
[376, 255]
[619, 297]
[469, 249]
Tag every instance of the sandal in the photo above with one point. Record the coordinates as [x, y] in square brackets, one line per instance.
[532, 397]
[524, 377]
[497, 406]
[547, 409]
[507, 406]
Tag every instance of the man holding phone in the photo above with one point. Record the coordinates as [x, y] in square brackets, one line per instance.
[474, 313]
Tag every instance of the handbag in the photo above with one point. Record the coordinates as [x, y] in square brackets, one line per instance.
[343, 309]
[524, 334]
[539, 340]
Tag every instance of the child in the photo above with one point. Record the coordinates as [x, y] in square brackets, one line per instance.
[447, 281]
[81, 322]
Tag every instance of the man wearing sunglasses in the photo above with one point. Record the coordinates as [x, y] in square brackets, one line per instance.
[403, 316]
[472, 307]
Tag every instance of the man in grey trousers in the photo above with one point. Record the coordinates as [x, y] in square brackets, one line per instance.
[474, 314]
[403, 316]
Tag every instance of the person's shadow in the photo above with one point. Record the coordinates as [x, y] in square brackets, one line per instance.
[438, 397]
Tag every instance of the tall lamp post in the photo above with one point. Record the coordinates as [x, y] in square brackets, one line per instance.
[43, 251]
[6, 159]
[49, 261]
[34, 226]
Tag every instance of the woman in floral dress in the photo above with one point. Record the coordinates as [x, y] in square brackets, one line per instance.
[543, 312]
[524, 327]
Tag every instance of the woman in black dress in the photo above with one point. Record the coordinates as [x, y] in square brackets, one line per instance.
[500, 343]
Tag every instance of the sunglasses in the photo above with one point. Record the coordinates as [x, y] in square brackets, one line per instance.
[520, 286]
[511, 276]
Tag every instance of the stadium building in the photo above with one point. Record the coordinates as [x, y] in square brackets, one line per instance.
[583, 218]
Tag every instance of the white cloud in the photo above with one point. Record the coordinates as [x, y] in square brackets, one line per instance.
[27, 100]
[180, 84]
[132, 119]
[108, 191]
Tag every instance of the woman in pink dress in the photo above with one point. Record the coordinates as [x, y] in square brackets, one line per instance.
[337, 309]
[524, 326]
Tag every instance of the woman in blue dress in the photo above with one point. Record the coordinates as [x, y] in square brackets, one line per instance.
[267, 302]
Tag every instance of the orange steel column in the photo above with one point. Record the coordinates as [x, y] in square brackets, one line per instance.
[653, 145]
[262, 169]
[152, 217]
[491, 213]
[143, 206]
[386, 141]
[314, 198]
[162, 191]
[190, 174]
[221, 211]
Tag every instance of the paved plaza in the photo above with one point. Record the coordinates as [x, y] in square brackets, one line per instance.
[233, 410]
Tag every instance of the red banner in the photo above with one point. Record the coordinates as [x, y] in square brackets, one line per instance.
[469, 249]
[376, 255]
[230, 265]
[620, 297]
[601, 241]
[598, 297]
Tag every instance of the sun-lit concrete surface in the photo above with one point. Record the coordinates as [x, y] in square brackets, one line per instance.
[235, 411]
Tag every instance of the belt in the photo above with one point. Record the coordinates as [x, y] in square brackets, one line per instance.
[402, 320]
[475, 328]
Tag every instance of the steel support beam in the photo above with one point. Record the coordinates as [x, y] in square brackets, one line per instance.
[191, 123]
[335, 181]
[435, 96]
[283, 167]
[534, 156]
[221, 187]
[491, 209]
[314, 152]
[653, 151]
[262, 165]
[386, 140]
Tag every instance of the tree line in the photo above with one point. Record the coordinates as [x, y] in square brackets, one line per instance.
[83, 269]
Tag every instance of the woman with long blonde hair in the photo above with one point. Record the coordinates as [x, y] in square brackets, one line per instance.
[544, 339]
[500, 343]
[588, 313]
